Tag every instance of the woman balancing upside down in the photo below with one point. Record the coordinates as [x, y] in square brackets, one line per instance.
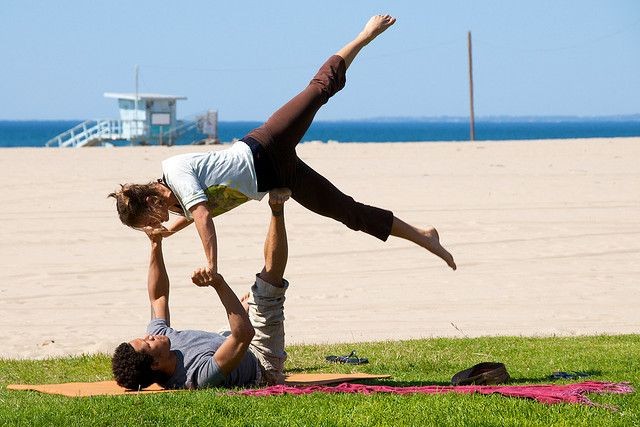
[200, 186]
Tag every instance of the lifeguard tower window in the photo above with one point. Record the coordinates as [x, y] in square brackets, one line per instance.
[126, 104]
[161, 119]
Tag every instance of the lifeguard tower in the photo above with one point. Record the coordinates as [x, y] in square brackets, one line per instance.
[148, 118]
[145, 119]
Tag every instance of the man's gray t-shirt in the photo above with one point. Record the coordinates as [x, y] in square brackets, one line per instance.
[196, 367]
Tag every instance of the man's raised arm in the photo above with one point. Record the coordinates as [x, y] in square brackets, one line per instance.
[230, 353]
[157, 278]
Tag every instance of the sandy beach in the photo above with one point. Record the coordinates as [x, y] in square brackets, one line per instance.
[545, 235]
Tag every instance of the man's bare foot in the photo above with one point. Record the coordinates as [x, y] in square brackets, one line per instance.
[432, 244]
[278, 196]
[244, 300]
[376, 26]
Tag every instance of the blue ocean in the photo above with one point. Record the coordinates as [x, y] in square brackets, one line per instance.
[37, 133]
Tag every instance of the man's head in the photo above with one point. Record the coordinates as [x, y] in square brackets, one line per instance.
[141, 205]
[139, 363]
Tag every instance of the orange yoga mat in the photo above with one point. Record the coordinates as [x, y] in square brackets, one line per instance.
[110, 388]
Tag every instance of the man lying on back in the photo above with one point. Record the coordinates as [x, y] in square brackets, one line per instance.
[251, 353]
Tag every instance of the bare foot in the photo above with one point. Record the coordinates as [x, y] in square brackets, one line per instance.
[278, 196]
[433, 245]
[376, 26]
[244, 300]
[428, 238]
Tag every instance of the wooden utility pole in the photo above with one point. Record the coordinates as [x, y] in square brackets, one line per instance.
[134, 134]
[472, 134]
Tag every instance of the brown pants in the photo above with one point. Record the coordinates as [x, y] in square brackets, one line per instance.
[280, 135]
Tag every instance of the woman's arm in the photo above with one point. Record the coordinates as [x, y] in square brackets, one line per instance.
[163, 231]
[178, 225]
[207, 232]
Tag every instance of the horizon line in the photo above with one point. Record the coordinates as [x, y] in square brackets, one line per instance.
[442, 118]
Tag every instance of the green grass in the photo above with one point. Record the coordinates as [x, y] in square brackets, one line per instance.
[416, 362]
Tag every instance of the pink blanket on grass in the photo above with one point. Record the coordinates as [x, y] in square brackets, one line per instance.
[544, 393]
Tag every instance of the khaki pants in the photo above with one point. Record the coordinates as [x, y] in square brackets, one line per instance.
[266, 312]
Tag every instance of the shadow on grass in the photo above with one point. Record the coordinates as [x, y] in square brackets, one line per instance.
[572, 376]
[547, 379]
[393, 383]
[306, 369]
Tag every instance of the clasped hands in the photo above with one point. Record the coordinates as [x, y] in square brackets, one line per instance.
[207, 276]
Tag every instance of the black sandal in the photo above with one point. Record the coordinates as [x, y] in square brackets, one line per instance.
[351, 359]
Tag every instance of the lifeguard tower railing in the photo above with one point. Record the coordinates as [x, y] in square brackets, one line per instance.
[91, 133]
[96, 132]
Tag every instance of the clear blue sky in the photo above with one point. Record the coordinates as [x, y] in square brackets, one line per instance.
[245, 58]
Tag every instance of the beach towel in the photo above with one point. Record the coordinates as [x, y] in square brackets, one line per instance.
[543, 393]
[110, 388]
[302, 384]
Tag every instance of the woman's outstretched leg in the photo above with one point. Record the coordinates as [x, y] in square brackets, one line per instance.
[376, 26]
[280, 134]
[317, 194]
[428, 238]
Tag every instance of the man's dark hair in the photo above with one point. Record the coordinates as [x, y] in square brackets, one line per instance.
[132, 370]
